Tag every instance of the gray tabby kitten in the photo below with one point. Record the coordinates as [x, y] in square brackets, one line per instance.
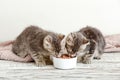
[38, 43]
[86, 43]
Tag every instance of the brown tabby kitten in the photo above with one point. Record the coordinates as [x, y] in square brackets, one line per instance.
[86, 44]
[38, 43]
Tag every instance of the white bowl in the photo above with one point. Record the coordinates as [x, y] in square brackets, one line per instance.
[61, 63]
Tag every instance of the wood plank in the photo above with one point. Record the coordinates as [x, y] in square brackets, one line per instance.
[108, 68]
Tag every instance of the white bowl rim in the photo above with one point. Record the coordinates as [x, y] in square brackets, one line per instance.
[63, 58]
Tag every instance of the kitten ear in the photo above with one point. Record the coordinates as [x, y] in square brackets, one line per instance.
[48, 39]
[61, 36]
[70, 38]
[74, 35]
[47, 43]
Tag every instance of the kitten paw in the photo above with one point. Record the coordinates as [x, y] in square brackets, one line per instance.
[98, 58]
[40, 64]
[79, 59]
[86, 61]
[21, 55]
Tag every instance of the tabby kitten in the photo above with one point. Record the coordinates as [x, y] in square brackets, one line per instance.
[86, 43]
[39, 44]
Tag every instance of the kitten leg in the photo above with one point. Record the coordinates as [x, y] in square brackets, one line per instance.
[79, 59]
[39, 59]
[100, 49]
[89, 54]
[48, 60]
[22, 54]
[20, 51]
[87, 58]
[98, 54]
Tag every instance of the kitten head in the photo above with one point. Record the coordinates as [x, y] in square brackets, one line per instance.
[52, 43]
[75, 42]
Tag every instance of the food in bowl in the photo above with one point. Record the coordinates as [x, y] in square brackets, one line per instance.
[65, 56]
[65, 61]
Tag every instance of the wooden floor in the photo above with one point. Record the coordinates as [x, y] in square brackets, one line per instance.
[108, 68]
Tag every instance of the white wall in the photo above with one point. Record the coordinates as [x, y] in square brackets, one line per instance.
[58, 15]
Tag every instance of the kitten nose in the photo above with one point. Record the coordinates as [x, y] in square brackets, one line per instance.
[56, 54]
[59, 55]
[74, 54]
